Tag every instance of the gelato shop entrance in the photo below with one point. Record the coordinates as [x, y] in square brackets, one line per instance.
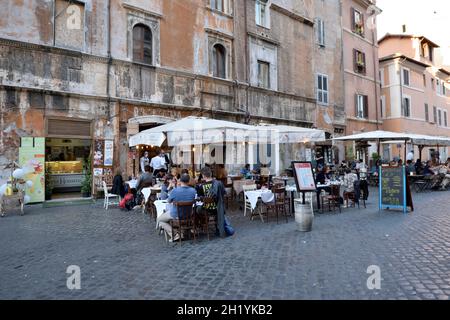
[66, 165]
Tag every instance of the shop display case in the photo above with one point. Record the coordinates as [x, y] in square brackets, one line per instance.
[65, 176]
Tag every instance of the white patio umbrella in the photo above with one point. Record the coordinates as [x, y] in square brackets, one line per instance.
[193, 131]
[289, 134]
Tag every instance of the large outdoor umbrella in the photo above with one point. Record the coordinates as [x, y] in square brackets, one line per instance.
[193, 131]
[289, 134]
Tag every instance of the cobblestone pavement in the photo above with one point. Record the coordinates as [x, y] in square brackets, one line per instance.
[121, 256]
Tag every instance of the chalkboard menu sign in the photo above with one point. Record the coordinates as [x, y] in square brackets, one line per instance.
[393, 189]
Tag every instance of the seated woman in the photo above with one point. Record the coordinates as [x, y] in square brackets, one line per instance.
[118, 185]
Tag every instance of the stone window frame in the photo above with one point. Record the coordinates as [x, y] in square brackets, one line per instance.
[152, 21]
[227, 7]
[227, 44]
[258, 6]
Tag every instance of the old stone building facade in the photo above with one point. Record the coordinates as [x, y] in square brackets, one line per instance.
[106, 69]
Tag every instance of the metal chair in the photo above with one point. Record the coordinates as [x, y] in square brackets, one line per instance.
[108, 196]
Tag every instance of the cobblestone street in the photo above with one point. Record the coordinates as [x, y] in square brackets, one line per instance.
[121, 256]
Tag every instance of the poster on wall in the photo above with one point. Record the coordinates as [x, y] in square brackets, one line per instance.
[304, 177]
[32, 157]
[98, 171]
[109, 153]
[98, 153]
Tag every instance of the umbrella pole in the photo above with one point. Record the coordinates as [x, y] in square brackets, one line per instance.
[404, 159]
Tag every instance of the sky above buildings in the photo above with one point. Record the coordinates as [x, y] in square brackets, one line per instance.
[430, 18]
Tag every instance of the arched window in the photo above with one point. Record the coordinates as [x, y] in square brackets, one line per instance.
[142, 44]
[219, 61]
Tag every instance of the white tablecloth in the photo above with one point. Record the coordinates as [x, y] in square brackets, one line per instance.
[265, 195]
[132, 183]
[161, 207]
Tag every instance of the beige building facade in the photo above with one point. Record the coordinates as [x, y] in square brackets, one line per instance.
[415, 92]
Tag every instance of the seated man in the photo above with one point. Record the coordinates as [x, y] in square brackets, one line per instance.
[216, 190]
[183, 193]
[246, 172]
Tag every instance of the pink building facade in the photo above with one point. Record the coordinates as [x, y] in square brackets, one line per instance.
[415, 93]
[361, 69]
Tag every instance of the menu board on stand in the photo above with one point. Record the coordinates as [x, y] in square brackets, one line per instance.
[394, 191]
[304, 177]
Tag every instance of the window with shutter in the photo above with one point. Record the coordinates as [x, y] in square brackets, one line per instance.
[322, 88]
[427, 116]
[445, 119]
[362, 106]
[320, 32]
[435, 114]
[406, 77]
[357, 22]
[359, 61]
[406, 107]
[366, 107]
[264, 74]
[219, 61]
[142, 44]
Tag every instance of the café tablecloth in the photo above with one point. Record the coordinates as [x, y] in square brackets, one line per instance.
[266, 196]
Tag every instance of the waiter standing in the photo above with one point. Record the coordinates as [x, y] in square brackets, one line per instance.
[158, 163]
[144, 161]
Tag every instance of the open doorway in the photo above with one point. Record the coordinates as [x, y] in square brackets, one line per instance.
[66, 161]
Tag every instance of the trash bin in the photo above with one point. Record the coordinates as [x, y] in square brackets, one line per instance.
[303, 215]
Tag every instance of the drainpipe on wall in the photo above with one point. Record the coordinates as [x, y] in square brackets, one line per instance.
[109, 63]
[247, 56]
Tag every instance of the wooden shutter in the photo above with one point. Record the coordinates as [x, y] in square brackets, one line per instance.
[364, 61]
[352, 14]
[362, 25]
[356, 105]
[366, 107]
[355, 60]
[138, 43]
[65, 128]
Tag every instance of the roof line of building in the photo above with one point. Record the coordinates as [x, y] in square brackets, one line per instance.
[402, 56]
[404, 35]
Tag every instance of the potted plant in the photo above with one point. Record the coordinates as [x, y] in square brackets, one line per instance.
[86, 185]
[48, 186]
